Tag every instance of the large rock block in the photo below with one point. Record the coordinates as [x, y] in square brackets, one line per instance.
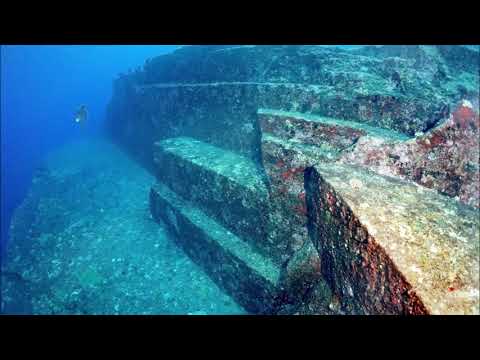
[391, 247]
[291, 142]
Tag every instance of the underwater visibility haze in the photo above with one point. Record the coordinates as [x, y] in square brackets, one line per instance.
[228, 179]
[41, 88]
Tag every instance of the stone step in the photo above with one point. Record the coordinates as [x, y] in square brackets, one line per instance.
[250, 278]
[320, 130]
[389, 246]
[228, 187]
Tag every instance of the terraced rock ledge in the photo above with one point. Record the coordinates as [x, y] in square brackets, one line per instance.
[235, 266]
[227, 186]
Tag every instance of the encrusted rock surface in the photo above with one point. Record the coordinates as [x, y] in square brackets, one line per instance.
[291, 142]
[305, 179]
[213, 93]
[392, 247]
[388, 117]
[228, 187]
[445, 158]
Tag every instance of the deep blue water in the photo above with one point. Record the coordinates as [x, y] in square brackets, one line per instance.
[41, 87]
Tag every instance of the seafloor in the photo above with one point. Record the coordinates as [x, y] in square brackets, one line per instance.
[87, 244]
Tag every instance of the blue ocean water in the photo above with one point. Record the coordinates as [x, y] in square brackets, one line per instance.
[41, 87]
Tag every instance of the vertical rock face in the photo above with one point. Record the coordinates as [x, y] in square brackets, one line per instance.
[291, 142]
[335, 167]
[147, 114]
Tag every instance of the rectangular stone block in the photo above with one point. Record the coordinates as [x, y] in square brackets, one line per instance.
[391, 247]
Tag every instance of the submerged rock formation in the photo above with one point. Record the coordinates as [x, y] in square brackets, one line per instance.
[391, 247]
[307, 179]
[314, 180]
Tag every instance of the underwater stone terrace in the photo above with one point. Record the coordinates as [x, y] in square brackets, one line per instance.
[188, 154]
[229, 119]
[382, 207]
[225, 114]
[202, 131]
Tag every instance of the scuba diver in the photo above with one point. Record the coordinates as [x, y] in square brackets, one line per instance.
[81, 114]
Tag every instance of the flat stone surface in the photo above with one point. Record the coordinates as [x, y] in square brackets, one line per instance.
[229, 83]
[432, 240]
[309, 153]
